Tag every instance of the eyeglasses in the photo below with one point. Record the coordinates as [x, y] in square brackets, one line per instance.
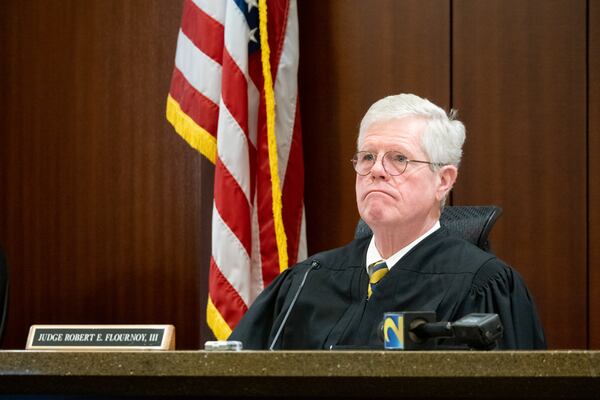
[394, 163]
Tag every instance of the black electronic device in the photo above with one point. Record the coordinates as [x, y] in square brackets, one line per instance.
[418, 330]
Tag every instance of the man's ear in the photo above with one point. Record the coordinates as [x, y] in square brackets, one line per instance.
[447, 176]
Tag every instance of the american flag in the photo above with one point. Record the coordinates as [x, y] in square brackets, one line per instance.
[234, 98]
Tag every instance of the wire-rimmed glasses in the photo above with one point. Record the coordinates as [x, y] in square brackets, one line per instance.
[394, 162]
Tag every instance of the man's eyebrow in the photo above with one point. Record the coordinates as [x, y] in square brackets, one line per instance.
[403, 151]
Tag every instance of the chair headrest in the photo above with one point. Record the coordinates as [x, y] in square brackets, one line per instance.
[471, 223]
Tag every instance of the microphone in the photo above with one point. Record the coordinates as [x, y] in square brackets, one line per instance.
[313, 266]
[478, 331]
[419, 331]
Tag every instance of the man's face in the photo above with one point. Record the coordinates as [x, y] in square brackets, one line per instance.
[411, 199]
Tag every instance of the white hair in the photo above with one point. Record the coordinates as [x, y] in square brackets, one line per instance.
[444, 136]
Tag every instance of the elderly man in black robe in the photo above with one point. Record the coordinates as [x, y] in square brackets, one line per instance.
[408, 155]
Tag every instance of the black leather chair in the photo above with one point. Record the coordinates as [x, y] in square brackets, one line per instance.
[3, 292]
[471, 223]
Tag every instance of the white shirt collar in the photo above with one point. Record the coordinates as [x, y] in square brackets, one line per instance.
[373, 254]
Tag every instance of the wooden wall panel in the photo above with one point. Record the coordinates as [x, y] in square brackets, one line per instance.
[104, 210]
[352, 54]
[100, 200]
[594, 173]
[519, 80]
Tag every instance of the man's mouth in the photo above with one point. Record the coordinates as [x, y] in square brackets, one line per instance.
[377, 191]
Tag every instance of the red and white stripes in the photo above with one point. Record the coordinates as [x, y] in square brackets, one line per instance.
[217, 103]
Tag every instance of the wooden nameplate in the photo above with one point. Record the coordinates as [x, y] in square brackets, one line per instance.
[101, 337]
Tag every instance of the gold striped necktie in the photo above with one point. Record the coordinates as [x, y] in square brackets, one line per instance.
[377, 271]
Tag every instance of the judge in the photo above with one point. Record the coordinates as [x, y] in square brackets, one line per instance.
[408, 155]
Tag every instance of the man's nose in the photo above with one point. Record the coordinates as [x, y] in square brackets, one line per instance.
[378, 171]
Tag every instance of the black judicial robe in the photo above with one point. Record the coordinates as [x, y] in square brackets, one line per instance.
[442, 273]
